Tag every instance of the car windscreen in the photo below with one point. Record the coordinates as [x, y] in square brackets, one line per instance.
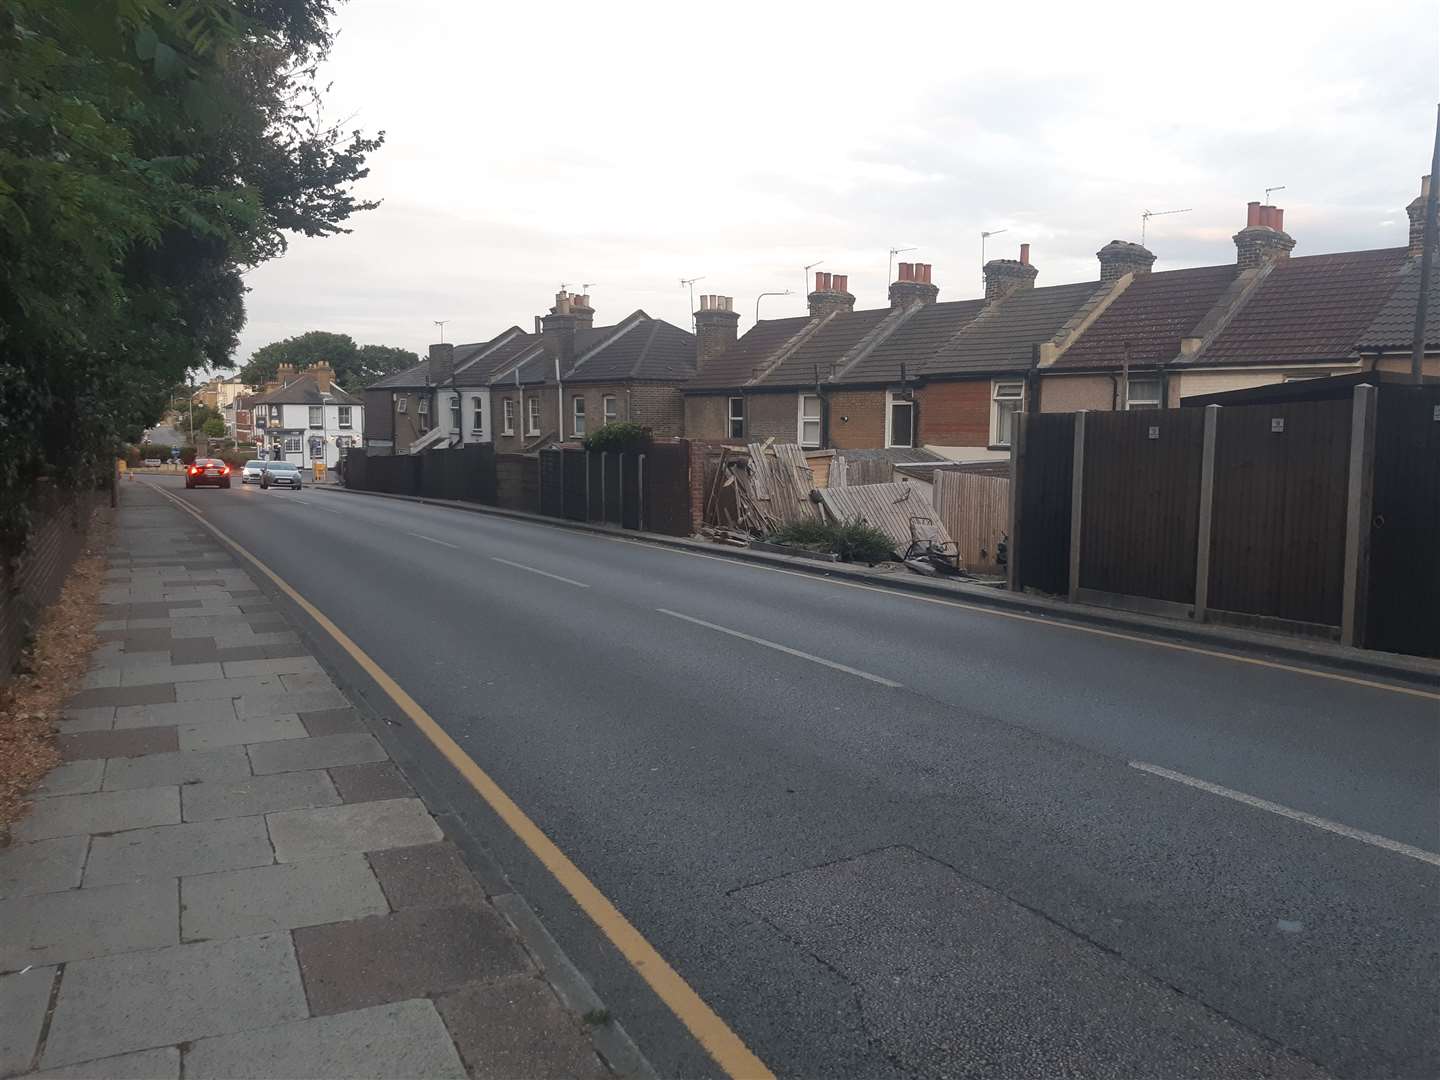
[253, 464]
[282, 466]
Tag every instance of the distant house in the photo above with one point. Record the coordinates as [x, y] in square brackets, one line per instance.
[307, 418]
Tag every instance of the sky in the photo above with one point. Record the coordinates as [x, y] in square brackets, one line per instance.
[622, 147]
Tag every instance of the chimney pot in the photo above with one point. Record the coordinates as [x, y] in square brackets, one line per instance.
[1024, 254]
[1278, 219]
[1252, 213]
[715, 327]
[1263, 240]
[841, 283]
[906, 272]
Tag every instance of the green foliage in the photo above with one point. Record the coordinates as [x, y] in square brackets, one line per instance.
[356, 366]
[621, 435]
[214, 427]
[853, 541]
[150, 152]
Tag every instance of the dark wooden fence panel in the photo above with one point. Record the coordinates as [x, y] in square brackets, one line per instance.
[667, 489]
[552, 494]
[517, 482]
[612, 496]
[1278, 546]
[595, 487]
[1404, 607]
[574, 472]
[1043, 551]
[630, 491]
[1141, 503]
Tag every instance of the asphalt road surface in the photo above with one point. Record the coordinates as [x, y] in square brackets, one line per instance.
[883, 837]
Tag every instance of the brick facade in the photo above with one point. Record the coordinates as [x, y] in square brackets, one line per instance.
[955, 413]
[857, 419]
[707, 417]
[772, 416]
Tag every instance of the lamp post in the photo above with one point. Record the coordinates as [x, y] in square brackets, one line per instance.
[787, 292]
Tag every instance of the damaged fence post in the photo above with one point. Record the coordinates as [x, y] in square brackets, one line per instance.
[1207, 510]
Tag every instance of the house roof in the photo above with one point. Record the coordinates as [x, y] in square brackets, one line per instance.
[743, 363]
[304, 390]
[912, 344]
[1003, 336]
[1308, 309]
[825, 350]
[1151, 316]
[641, 348]
[1394, 325]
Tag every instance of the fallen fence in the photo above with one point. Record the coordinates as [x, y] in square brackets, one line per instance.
[975, 510]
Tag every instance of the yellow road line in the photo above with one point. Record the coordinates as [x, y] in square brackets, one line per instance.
[1056, 623]
[722, 1044]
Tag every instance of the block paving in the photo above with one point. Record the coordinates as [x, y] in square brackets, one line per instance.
[229, 877]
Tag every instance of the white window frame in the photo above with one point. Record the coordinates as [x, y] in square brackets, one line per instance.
[802, 420]
[577, 415]
[1007, 391]
[457, 413]
[422, 405]
[343, 417]
[1148, 402]
[507, 411]
[532, 416]
[477, 409]
[609, 408]
[402, 403]
[892, 402]
[294, 444]
[317, 417]
[732, 418]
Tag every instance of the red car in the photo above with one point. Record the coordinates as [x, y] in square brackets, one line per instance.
[208, 471]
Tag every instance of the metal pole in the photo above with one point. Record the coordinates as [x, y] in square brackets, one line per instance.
[1207, 509]
[1427, 256]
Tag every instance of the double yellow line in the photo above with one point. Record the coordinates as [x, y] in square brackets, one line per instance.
[721, 1043]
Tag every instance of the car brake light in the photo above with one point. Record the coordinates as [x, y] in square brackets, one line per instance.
[194, 469]
[225, 471]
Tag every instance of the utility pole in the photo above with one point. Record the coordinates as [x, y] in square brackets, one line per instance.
[1427, 258]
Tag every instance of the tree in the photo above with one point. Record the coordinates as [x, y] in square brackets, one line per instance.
[214, 427]
[356, 366]
[150, 151]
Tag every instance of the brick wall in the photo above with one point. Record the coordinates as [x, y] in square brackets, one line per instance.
[514, 442]
[772, 415]
[1072, 393]
[955, 413]
[660, 408]
[707, 416]
[865, 427]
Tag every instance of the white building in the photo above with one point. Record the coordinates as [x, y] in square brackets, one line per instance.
[307, 418]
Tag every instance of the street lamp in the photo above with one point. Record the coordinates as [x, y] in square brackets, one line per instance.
[787, 292]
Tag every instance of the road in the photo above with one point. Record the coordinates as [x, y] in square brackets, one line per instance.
[883, 837]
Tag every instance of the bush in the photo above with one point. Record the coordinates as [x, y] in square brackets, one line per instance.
[622, 435]
[853, 541]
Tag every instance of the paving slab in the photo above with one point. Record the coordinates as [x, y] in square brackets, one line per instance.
[92, 680]
[179, 767]
[169, 851]
[184, 712]
[309, 682]
[431, 875]
[272, 704]
[370, 782]
[331, 722]
[212, 606]
[264, 899]
[131, 743]
[292, 665]
[170, 673]
[123, 695]
[24, 1000]
[516, 1027]
[173, 995]
[332, 830]
[161, 1064]
[73, 778]
[74, 721]
[403, 1039]
[99, 811]
[127, 660]
[241, 732]
[227, 638]
[257, 795]
[59, 927]
[317, 753]
[225, 689]
[412, 953]
[43, 866]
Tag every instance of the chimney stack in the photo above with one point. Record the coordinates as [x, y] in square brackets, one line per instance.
[1006, 276]
[1120, 257]
[442, 364]
[285, 374]
[560, 325]
[716, 324]
[324, 375]
[1416, 210]
[1263, 239]
[912, 286]
[830, 295]
[583, 312]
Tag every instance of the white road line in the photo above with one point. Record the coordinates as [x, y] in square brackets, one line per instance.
[542, 573]
[442, 543]
[1294, 815]
[781, 648]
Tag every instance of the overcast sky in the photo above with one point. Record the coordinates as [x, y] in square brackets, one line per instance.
[630, 145]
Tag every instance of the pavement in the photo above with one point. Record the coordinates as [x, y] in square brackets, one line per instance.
[231, 876]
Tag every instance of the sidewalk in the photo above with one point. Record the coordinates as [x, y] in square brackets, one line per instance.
[228, 876]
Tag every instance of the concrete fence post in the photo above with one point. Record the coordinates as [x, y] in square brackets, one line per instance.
[604, 485]
[1358, 511]
[589, 505]
[640, 493]
[1077, 504]
[1207, 508]
[1017, 480]
[620, 483]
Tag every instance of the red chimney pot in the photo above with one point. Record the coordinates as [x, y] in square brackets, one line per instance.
[1279, 222]
[1024, 254]
[841, 281]
[1252, 214]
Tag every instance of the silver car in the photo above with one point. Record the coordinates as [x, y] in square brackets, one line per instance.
[250, 472]
[280, 474]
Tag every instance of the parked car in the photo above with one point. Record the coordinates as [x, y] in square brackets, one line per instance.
[280, 474]
[250, 472]
[208, 471]
[152, 463]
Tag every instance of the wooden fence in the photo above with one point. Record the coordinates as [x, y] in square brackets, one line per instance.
[1318, 517]
[975, 511]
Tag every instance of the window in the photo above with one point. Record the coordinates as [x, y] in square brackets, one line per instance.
[317, 416]
[342, 413]
[1007, 400]
[610, 407]
[899, 421]
[1143, 392]
[532, 416]
[422, 410]
[810, 420]
[509, 411]
[292, 444]
[477, 419]
[577, 412]
[457, 423]
[401, 403]
[737, 418]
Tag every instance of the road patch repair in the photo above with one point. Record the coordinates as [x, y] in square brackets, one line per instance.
[229, 876]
